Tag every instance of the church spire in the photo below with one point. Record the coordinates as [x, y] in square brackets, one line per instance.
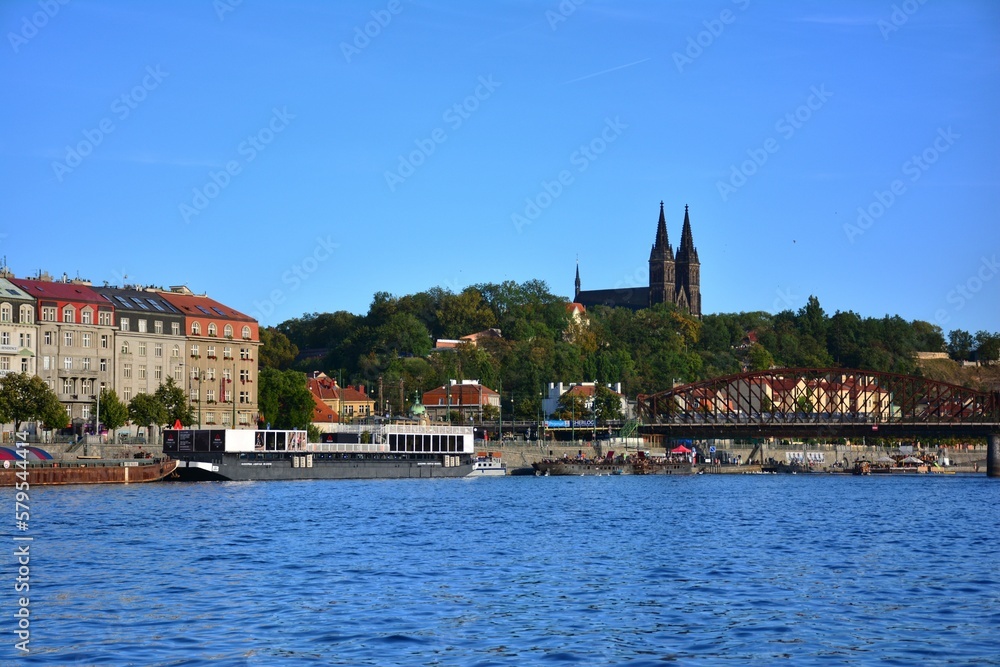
[662, 247]
[686, 252]
[576, 294]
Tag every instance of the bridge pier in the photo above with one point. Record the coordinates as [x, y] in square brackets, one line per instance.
[993, 455]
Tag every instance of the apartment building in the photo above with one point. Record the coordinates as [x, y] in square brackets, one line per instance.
[18, 329]
[150, 344]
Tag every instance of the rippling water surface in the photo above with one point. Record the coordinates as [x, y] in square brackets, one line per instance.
[515, 571]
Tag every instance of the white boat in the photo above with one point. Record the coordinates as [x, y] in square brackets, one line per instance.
[488, 464]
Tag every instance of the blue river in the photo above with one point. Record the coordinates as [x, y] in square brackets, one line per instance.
[701, 570]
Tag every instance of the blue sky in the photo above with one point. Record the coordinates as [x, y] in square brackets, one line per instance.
[299, 156]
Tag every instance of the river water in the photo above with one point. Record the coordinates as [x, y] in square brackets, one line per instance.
[702, 570]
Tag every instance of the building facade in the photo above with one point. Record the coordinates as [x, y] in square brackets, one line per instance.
[18, 330]
[674, 279]
[221, 360]
[149, 341]
[75, 352]
[467, 397]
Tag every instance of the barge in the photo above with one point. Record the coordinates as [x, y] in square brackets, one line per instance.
[378, 451]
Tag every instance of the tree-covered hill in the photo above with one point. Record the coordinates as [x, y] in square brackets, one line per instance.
[391, 346]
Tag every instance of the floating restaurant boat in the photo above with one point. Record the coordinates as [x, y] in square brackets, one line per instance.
[39, 468]
[377, 451]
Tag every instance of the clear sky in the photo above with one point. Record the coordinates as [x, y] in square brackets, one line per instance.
[291, 157]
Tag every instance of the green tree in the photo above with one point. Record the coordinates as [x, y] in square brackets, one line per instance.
[175, 402]
[960, 345]
[147, 410]
[284, 398]
[607, 405]
[25, 398]
[276, 350]
[760, 359]
[572, 405]
[113, 413]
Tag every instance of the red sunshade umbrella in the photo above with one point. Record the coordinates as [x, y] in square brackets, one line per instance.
[680, 450]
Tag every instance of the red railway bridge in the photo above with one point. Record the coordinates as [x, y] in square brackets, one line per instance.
[824, 403]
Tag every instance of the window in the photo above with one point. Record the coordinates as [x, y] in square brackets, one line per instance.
[85, 363]
[105, 341]
[47, 336]
[158, 326]
[227, 375]
[142, 349]
[244, 376]
[244, 418]
[67, 386]
[209, 417]
[194, 394]
[26, 340]
[195, 329]
[104, 318]
[48, 313]
[6, 312]
[194, 351]
[85, 338]
[127, 394]
[175, 351]
[24, 364]
[68, 338]
[125, 349]
[142, 326]
[85, 410]
[68, 363]
[211, 351]
[87, 316]
[194, 373]
[26, 315]
[175, 328]
[228, 331]
[244, 353]
[212, 329]
[142, 372]
[225, 419]
[158, 350]
[210, 395]
[246, 333]
[69, 315]
[226, 395]
[127, 371]
[87, 387]
[209, 373]
[4, 338]
[104, 365]
[157, 372]
[123, 323]
[244, 397]
[4, 363]
[227, 353]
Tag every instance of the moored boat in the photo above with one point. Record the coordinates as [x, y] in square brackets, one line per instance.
[488, 464]
[86, 471]
[376, 451]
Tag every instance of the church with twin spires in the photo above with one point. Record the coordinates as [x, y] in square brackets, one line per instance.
[673, 278]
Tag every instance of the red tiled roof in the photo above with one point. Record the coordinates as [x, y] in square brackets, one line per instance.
[189, 304]
[44, 289]
[461, 394]
[322, 412]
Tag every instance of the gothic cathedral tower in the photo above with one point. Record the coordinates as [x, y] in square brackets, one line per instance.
[661, 266]
[688, 271]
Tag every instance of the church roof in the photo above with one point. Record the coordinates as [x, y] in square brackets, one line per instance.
[626, 297]
[661, 247]
[686, 252]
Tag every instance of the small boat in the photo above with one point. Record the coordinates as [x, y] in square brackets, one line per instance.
[488, 464]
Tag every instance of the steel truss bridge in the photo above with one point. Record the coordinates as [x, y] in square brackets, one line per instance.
[822, 403]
